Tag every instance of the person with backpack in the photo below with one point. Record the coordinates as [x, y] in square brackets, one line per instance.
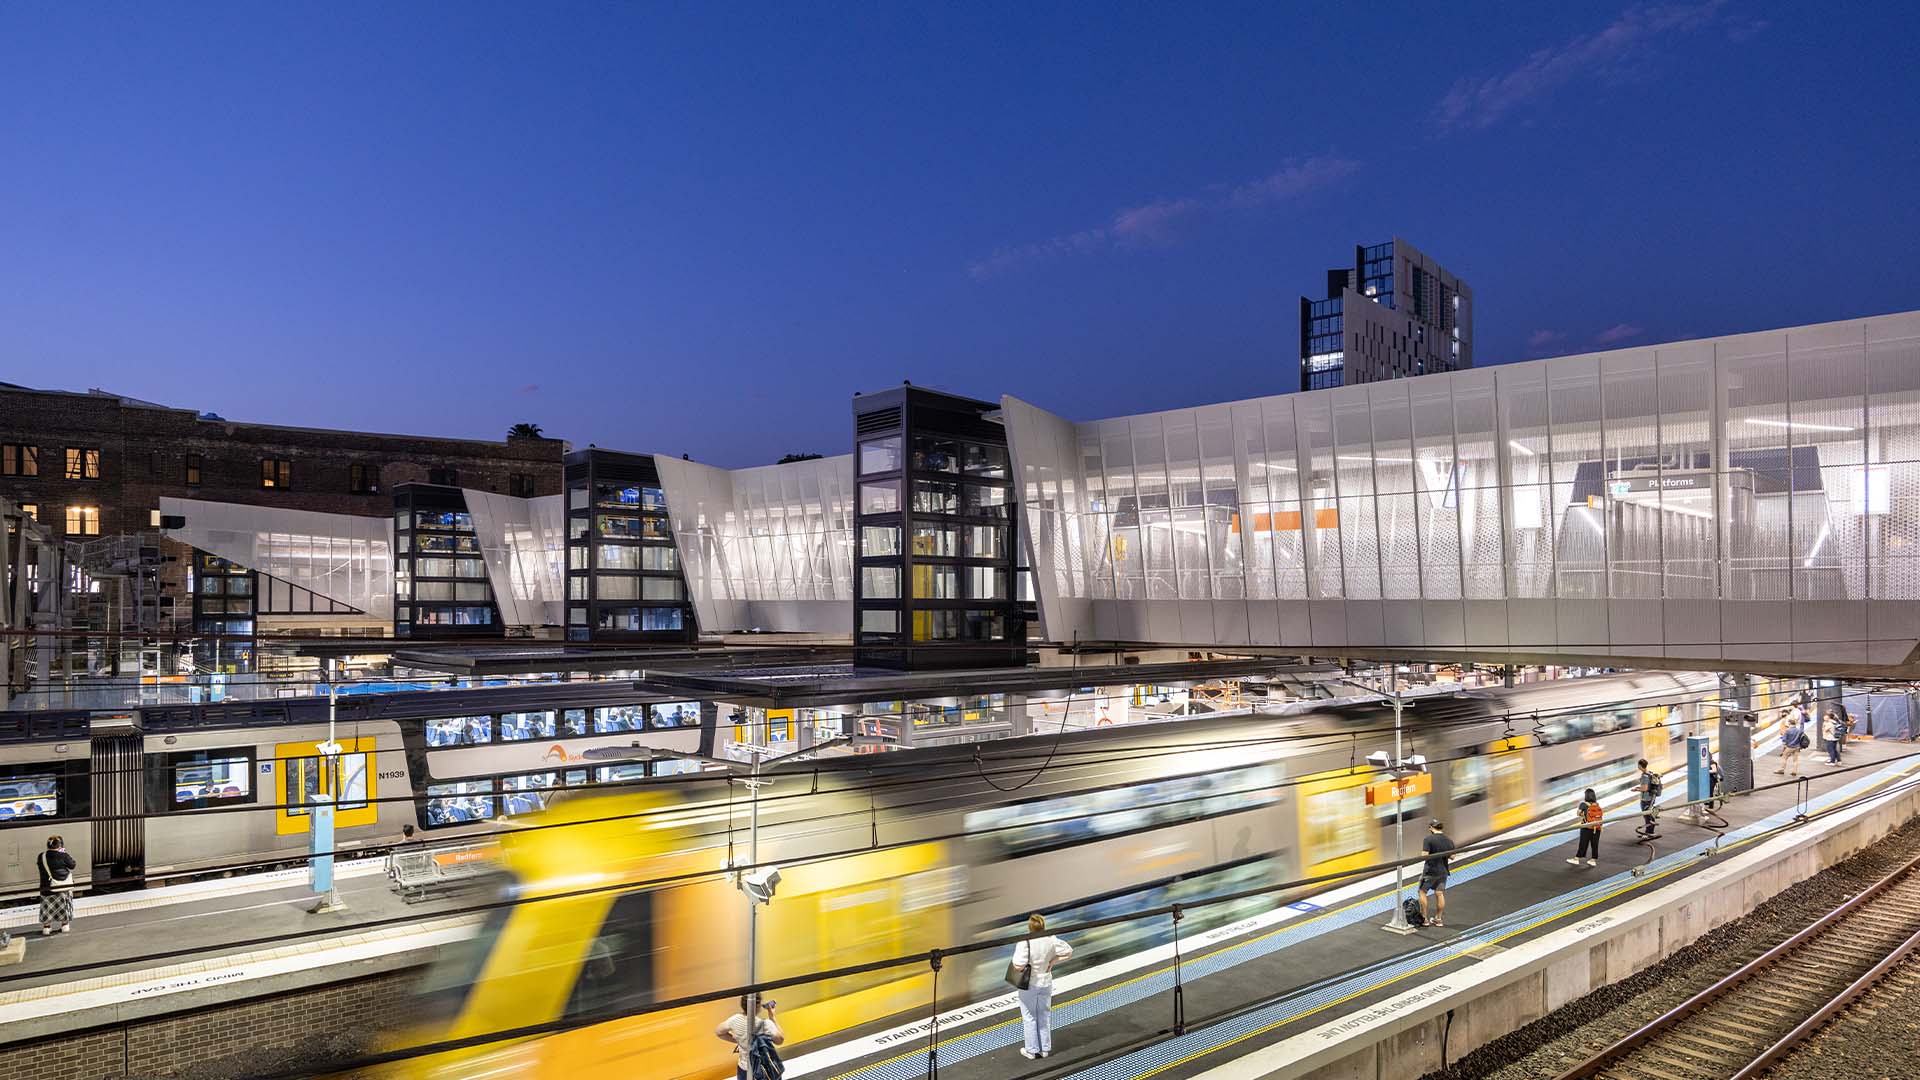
[1588, 814]
[1830, 731]
[1032, 974]
[755, 1042]
[1649, 789]
[1433, 874]
[1793, 739]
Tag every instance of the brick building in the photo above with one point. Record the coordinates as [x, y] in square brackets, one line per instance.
[95, 464]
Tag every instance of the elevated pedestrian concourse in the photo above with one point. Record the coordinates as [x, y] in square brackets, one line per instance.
[1280, 993]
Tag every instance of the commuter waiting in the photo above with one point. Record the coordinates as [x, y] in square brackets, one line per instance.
[1032, 967]
[1433, 874]
[1588, 814]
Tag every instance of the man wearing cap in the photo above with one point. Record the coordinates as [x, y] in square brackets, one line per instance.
[1433, 876]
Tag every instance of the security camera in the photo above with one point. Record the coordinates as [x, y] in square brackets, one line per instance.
[1380, 759]
[760, 884]
[1415, 764]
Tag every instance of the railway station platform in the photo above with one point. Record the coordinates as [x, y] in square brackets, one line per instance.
[137, 955]
[1319, 988]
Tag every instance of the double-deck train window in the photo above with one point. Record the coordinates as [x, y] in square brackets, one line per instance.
[609, 719]
[673, 714]
[210, 777]
[458, 803]
[522, 726]
[459, 730]
[29, 795]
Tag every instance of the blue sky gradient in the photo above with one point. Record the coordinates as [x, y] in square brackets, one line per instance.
[701, 228]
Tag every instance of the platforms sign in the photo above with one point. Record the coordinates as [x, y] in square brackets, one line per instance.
[1406, 787]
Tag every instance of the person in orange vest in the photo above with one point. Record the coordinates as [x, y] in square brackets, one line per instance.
[1588, 814]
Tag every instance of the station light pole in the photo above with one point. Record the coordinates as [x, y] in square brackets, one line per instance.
[758, 885]
[1400, 767]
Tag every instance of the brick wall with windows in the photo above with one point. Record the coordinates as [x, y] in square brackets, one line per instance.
[112, 458]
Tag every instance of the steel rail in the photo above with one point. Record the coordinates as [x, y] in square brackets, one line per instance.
[1594, 1066]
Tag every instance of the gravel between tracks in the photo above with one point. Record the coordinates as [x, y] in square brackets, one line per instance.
[1549, 1046]
[1878, 1038]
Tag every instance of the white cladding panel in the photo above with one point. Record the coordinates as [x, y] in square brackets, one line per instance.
[770, 547]
[344, 557]
[524, 544]
[1660, 502]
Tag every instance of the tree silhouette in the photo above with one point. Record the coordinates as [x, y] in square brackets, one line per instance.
[524, 431]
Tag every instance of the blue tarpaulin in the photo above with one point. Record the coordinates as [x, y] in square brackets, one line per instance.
[1883, 716]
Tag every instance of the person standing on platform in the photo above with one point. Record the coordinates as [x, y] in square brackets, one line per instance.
[1588, 814]
[1830, 731]
[1649, 789]
[56, 886]
[1433, 875]
[1792, 733]
[735, 1029]
[1036, 956]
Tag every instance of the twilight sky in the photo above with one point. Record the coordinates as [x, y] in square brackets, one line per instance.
[701, 228]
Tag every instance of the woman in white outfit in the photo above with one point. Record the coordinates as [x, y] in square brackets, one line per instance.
[1037, 954]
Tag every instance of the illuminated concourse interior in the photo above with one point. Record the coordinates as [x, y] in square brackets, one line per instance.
[1755, 496]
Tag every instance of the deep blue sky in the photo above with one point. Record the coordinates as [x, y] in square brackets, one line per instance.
[701, 229]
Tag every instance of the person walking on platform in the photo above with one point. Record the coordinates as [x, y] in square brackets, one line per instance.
[1588, 814]
[1035, 957]
[1649, 789]
[734, 1029]
[1830, 731]
[1793, 733]
[56, 886]
[1433, 875]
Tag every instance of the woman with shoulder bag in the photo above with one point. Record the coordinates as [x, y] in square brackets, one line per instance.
[56, 886]
[1032, 973]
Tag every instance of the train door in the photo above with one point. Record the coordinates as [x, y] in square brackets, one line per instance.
[1656, 736]
[1338, 830]
[118, 774]
[1510, 781]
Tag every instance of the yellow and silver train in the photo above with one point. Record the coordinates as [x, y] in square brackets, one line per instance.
[959, 844]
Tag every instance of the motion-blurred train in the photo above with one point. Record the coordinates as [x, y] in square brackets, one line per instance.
[954, 845]
[154, 794]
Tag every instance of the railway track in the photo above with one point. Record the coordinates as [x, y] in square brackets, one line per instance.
[1740, 1026]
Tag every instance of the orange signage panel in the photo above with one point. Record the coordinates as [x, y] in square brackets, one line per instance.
[1386, 791]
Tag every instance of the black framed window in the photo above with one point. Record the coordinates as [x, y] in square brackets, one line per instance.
[520, 485]
[459, 730]
[192, 470]
[83, 521]
[199, 778]
[17, 459]
[29, 792]
[445, 476]
[32, 510]
[364, 479]
[276, 473]
[83, 463]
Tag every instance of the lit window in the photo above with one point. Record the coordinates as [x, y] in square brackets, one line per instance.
[153, 518]
[83, 521]
[17, 460]
[32, 510]
[276, 473]
[83, 463]
[193, 470]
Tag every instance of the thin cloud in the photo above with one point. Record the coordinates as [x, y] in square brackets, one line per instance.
[1480, 102]
[1161, 222]
[1618, 332]
[1541, 339]
[530, 388]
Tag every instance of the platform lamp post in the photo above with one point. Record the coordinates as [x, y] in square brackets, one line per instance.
[1400, 766]
[758, 884]
[320, 812]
